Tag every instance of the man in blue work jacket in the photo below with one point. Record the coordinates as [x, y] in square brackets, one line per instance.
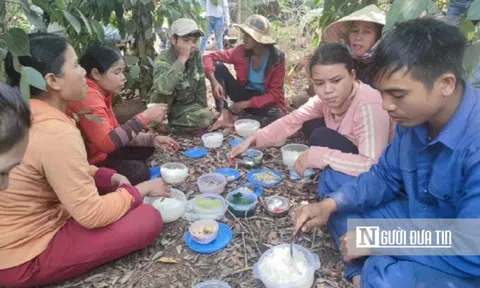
[430, 170]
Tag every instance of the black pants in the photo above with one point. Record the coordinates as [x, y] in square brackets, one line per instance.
[130, 162]
[318, 134]
[236, 92]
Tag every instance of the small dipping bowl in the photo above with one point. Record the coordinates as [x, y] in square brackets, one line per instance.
[174, 172]
[242, 210]
[212, 183]
[277, 206]
[252, 159]
[204, 231]
[212, 140]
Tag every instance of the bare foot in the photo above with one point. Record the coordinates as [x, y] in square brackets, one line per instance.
[224, 121]
[356, 281]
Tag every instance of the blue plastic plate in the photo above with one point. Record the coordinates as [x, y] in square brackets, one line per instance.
[224, 238]
[155, 172]
[235, 141]
[229, 173]
[196, 152]
[258, 190]
[252, 180]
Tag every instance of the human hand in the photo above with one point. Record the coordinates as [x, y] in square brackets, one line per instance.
[154, 188]
[238, 107]
[241, 148]
[184, 50]
[301, 164]
[217, 91]
[348, 247]
[314, 215]
[166, 143]
[156, 113]
[118, 180]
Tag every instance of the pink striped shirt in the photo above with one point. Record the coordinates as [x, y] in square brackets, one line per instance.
[365, 123]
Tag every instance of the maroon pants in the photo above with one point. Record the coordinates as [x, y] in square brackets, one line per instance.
[75, 250]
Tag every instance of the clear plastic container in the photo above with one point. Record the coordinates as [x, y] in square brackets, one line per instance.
[199, 225]
[291, 152]
[213, 284]
[206, 210]
[305, 282]
[246, 127]
[212, 183]
[242, 210]
[170, 214]
[212, 140]
[174, 172]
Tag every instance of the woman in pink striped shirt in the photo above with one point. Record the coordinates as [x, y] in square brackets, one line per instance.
[345, 124]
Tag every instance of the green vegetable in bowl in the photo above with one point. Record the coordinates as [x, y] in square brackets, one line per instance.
[238, 199]
[208, 203]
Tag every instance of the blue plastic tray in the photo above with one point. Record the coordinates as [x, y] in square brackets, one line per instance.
[196, 152]
[252, 180]
[235, 141]
[155, 172]
[230, 173]
[224, 238]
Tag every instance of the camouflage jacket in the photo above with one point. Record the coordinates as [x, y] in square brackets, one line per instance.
[183, 88]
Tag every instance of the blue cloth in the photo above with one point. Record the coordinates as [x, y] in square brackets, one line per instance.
[256, 77]
[217, 25]
[424, 179]
[458, 7]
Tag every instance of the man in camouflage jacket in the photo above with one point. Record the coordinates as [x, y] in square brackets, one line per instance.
[179, 80]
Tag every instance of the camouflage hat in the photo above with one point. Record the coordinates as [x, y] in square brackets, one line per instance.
[258, 27]
[185, 26]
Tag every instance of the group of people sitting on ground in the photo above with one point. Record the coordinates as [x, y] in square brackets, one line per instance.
[395, 140]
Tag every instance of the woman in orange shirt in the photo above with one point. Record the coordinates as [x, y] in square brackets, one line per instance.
[54, 223]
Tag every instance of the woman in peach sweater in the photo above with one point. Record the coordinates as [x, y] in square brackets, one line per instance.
[54, 223]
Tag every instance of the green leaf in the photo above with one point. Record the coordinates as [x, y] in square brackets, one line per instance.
[85, 21]
[73, 21]
[403, 10]
[17, 42]
[468, 29]
[145, 1]
[34, 77]
[24, 87]
[149, 33]
[56, 28]
[75, 116]
[130, 26]
[134, 2]
[23, 3]
[98, 28]
[35, 20]
[471, 58]
[60, 4]
[316, 40]
[134, 72]
[474, 11]
[130, 60]
[16, 64]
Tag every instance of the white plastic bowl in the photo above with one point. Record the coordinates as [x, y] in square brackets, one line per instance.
[205, 181]
[304, 282]
[174, 172]
[213, 284]
[170, 214]
[291, 152]
[246, 127]
[199, 225]
[212, 140]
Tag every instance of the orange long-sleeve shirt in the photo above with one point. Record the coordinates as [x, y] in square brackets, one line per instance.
[52, 184]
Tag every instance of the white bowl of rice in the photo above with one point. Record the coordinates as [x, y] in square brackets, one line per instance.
[174, 172]
[212, 140]
[277, 269]
[246, 127]
[170, 208]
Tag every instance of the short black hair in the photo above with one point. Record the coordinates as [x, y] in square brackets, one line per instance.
[425, 47]
[14, 118]
[330, 54]
[99, 57]
[48, 56]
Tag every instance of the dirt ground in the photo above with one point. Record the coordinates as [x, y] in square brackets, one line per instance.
[252, 236]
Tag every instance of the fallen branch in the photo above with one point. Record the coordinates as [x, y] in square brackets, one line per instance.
[245, 250]
[246, 230]
[240, 271]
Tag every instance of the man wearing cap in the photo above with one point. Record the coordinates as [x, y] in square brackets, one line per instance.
[179, 80]
[257, 92]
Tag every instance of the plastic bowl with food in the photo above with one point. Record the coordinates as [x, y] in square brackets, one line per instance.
[204, 231]
[209, 204]
[170, 208]
[212, 140]
[212, 183]
[251, 159]
[277, 206]
[242, 203]
[246, 127]
[291, 152]
[174, 172]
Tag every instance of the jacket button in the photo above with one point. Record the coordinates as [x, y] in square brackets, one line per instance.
[446, 197]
